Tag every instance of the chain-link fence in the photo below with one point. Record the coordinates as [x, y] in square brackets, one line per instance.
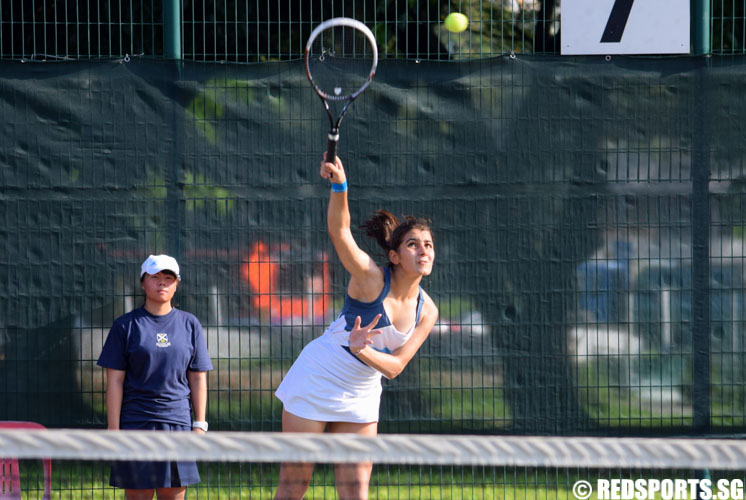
[265, 30]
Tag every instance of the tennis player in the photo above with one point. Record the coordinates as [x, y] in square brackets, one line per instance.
[335, 384]
[156, 360]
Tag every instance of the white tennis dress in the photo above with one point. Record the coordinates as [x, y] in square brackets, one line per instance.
[327, 382]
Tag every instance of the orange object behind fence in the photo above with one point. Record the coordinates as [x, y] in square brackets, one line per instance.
[262, 273]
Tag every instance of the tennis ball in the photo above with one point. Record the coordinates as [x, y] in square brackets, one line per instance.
[456, 22]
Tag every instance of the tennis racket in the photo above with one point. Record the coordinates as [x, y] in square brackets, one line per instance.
[341, 58]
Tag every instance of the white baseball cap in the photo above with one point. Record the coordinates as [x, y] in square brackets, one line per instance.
[157, 263]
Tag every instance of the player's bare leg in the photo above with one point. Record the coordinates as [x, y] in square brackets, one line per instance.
[353, 480]
[296, 476]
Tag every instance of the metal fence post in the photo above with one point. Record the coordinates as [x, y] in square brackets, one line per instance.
[172, 29]
[701, 222]
[701, 27]
[174, 180]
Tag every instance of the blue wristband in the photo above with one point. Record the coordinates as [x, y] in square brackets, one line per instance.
[339, 188]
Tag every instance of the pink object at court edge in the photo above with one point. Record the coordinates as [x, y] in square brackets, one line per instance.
[10, 481]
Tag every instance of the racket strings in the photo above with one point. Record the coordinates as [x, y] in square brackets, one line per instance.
[340, 62]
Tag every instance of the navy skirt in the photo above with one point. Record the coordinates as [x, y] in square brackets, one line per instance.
[148, 475]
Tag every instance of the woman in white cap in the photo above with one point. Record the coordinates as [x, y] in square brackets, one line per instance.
[156, 361]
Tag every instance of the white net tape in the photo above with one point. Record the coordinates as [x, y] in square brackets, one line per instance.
[268, 447]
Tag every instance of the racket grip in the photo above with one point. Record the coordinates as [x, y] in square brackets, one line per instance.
[331, 146]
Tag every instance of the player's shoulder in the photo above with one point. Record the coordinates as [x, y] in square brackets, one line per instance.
[427, 299]
[428, 305]
[370, 286]
[125, 323]
[188, 318]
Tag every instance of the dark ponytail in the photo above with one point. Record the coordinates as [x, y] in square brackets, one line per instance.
[389, 231]
[380, 227]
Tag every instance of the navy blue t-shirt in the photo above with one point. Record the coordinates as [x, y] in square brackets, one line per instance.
[156, 352]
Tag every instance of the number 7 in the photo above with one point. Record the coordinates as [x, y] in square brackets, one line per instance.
[617, 21]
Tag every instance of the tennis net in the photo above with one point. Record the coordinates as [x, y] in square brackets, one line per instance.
[245, 465]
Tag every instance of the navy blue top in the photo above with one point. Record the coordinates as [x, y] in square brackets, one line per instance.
[353, 308]
[156, 352]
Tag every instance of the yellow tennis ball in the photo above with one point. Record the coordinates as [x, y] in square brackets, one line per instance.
[456, 22]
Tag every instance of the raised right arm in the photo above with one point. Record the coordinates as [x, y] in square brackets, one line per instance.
[366, 278]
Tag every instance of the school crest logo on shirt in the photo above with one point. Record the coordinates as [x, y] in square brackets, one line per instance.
[162, 340]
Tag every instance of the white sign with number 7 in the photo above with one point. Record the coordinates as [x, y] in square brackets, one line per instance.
[625, 27]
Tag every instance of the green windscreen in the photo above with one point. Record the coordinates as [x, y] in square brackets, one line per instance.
[588, 218]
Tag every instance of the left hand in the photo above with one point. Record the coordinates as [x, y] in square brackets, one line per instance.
[360, 338]
[198, 430]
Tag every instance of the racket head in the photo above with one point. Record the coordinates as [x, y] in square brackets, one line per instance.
[341, 57]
